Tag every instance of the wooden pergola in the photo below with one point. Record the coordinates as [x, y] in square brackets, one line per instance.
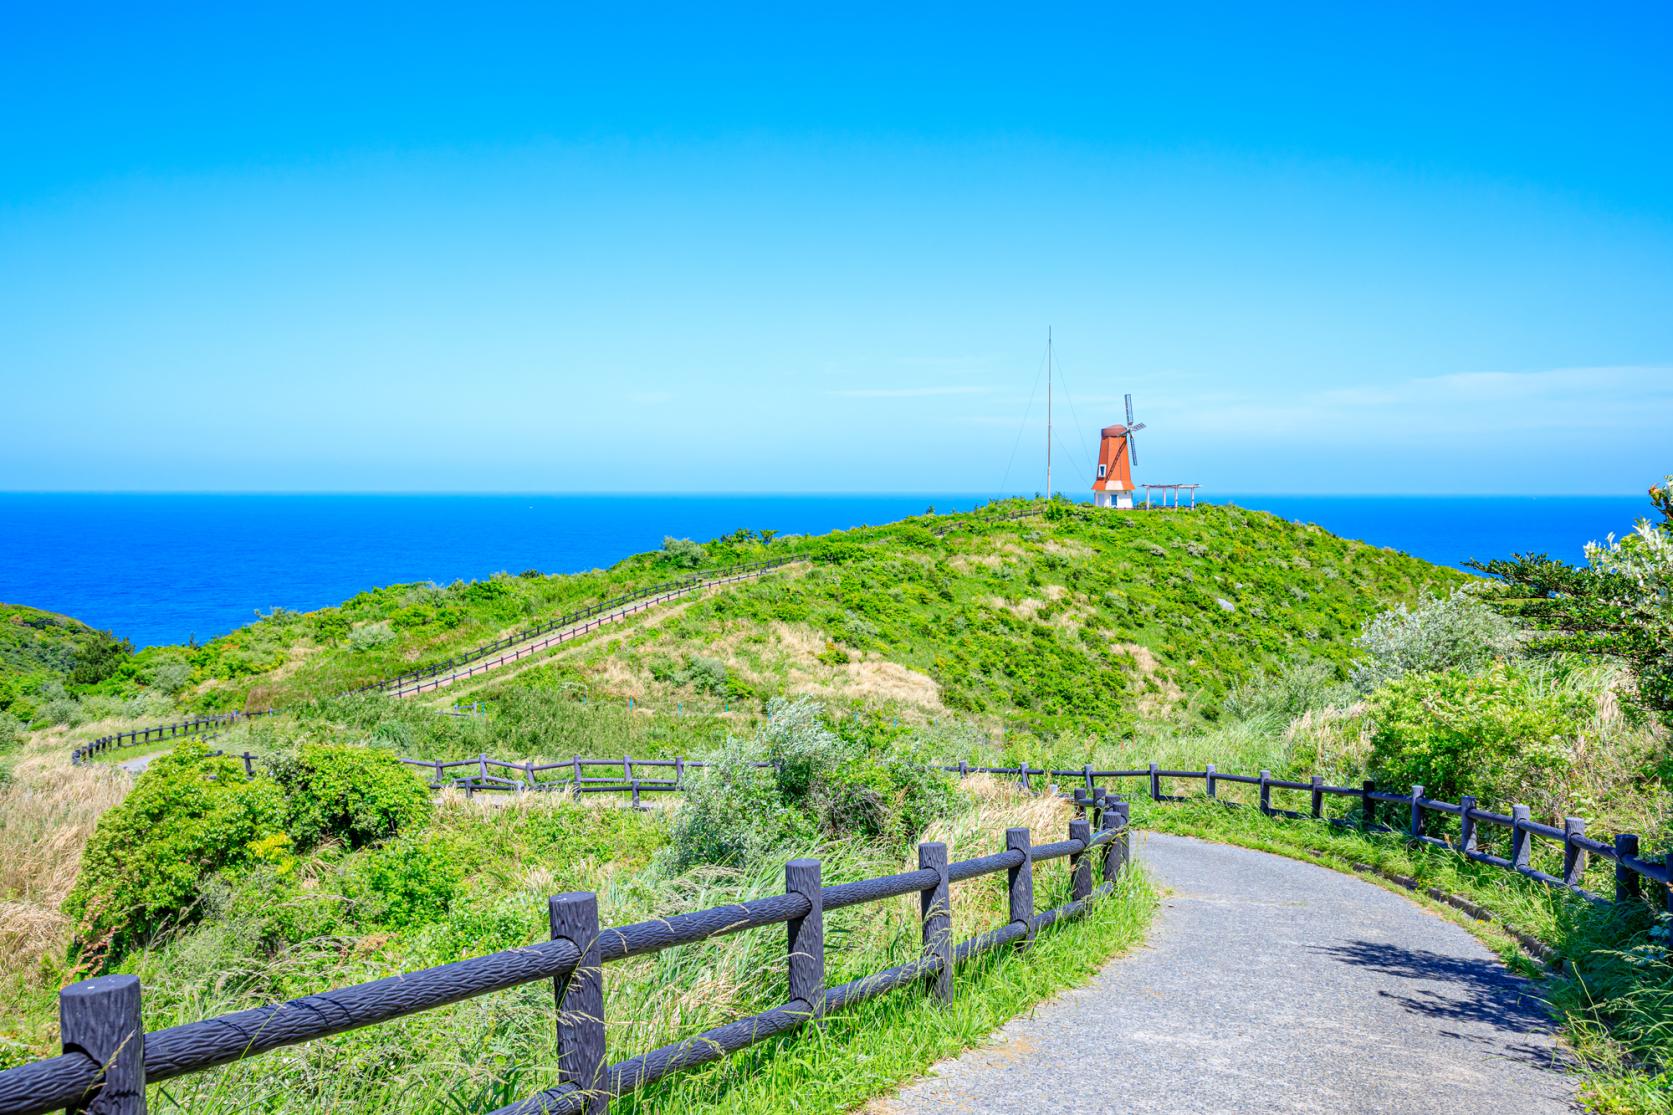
[1165, 489]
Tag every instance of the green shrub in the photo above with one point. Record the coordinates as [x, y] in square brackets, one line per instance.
[189, 816]
[412, 879]
[170, 677]
[1491, 734]
[356, 795]
[1312, 684]
[683, 552]
[819, 783]
[1456, 631]
[372, 635]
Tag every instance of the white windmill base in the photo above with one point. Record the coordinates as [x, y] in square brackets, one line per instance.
[1121, 501]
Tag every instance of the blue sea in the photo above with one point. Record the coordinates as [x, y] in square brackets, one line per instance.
[167, 568]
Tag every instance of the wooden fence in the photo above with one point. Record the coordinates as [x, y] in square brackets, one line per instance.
[1631, 868]
[438, 675]
[108, 1058]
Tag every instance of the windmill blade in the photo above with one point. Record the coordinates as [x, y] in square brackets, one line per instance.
[1140, 426]
[1129, 410]
[1132, 449]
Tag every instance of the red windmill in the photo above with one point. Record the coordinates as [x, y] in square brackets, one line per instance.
[1117, 454]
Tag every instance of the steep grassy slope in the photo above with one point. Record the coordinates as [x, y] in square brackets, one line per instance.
[42, 654]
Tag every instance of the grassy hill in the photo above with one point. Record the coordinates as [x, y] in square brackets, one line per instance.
[1068, 635]
[44, 655]
[1068, 620]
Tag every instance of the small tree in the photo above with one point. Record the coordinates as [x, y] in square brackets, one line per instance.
[1619, 604]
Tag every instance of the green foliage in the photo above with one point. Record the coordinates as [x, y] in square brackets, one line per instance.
[189, 815]
[1456, 631]
[683, 552]
[371, 635]
[1620, 604]
[413, 879]
[1491, 734]
[354, 795]
[1311, 684]
[818, 782]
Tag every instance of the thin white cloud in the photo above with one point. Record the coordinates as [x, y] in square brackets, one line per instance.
[908, 392]
[1461, 404]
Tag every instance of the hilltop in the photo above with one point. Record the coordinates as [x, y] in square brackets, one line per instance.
[1065, 618]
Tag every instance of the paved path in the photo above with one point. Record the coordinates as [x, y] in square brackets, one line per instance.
[1271, 985]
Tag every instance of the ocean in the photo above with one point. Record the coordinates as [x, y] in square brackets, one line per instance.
[167, 568]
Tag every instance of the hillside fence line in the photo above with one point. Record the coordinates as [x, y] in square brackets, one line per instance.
[108, 1058]
[438, 675]
[1631, 867]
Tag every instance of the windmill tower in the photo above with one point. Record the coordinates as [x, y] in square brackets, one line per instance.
[1117, 454]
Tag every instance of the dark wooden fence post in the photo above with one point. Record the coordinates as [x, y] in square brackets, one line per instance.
[1318, 796]
[1021, 878]
[1208, 778]
[806, 945]
[1087, 774]
[100, 1018]
[1466, 824]
[1080, 864]
[1627, 881]
[1100, 803]
[1519, 837]
[1155, 784]
[1667, 889]
[1266, 792]
[1367, 806]
[249, 764]
[935, 903]
[1080, 800]
[1117, 851]
[1416, 829]
[580, 1001]
[1574, 856]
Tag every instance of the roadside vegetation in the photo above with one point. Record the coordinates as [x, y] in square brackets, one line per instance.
[1060, 639]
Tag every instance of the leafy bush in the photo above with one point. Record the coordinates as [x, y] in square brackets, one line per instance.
[357, 795]
[189, 816]
[1456, 631]
[683, 552]
[371, 635]
[1619, 604]
[1492, 734]
[413, 879]
[170, 677]
[819, 782]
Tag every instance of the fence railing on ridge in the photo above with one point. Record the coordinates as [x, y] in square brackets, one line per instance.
[589, 618]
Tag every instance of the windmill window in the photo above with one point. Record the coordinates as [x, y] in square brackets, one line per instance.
[1100, 472]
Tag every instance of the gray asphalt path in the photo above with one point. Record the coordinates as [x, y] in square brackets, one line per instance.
[1271, 985]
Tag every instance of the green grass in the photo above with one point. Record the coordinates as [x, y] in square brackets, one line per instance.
[1070, 621]
[1612, 996]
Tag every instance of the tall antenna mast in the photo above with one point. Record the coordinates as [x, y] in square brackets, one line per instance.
[1048, 412]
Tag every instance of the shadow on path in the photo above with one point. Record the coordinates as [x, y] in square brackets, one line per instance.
[1460, 990]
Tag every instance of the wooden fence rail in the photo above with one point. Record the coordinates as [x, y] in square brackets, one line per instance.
[108, 1058]
[1622, 850]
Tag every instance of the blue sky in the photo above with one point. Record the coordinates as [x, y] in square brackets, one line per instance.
[1346, 248]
